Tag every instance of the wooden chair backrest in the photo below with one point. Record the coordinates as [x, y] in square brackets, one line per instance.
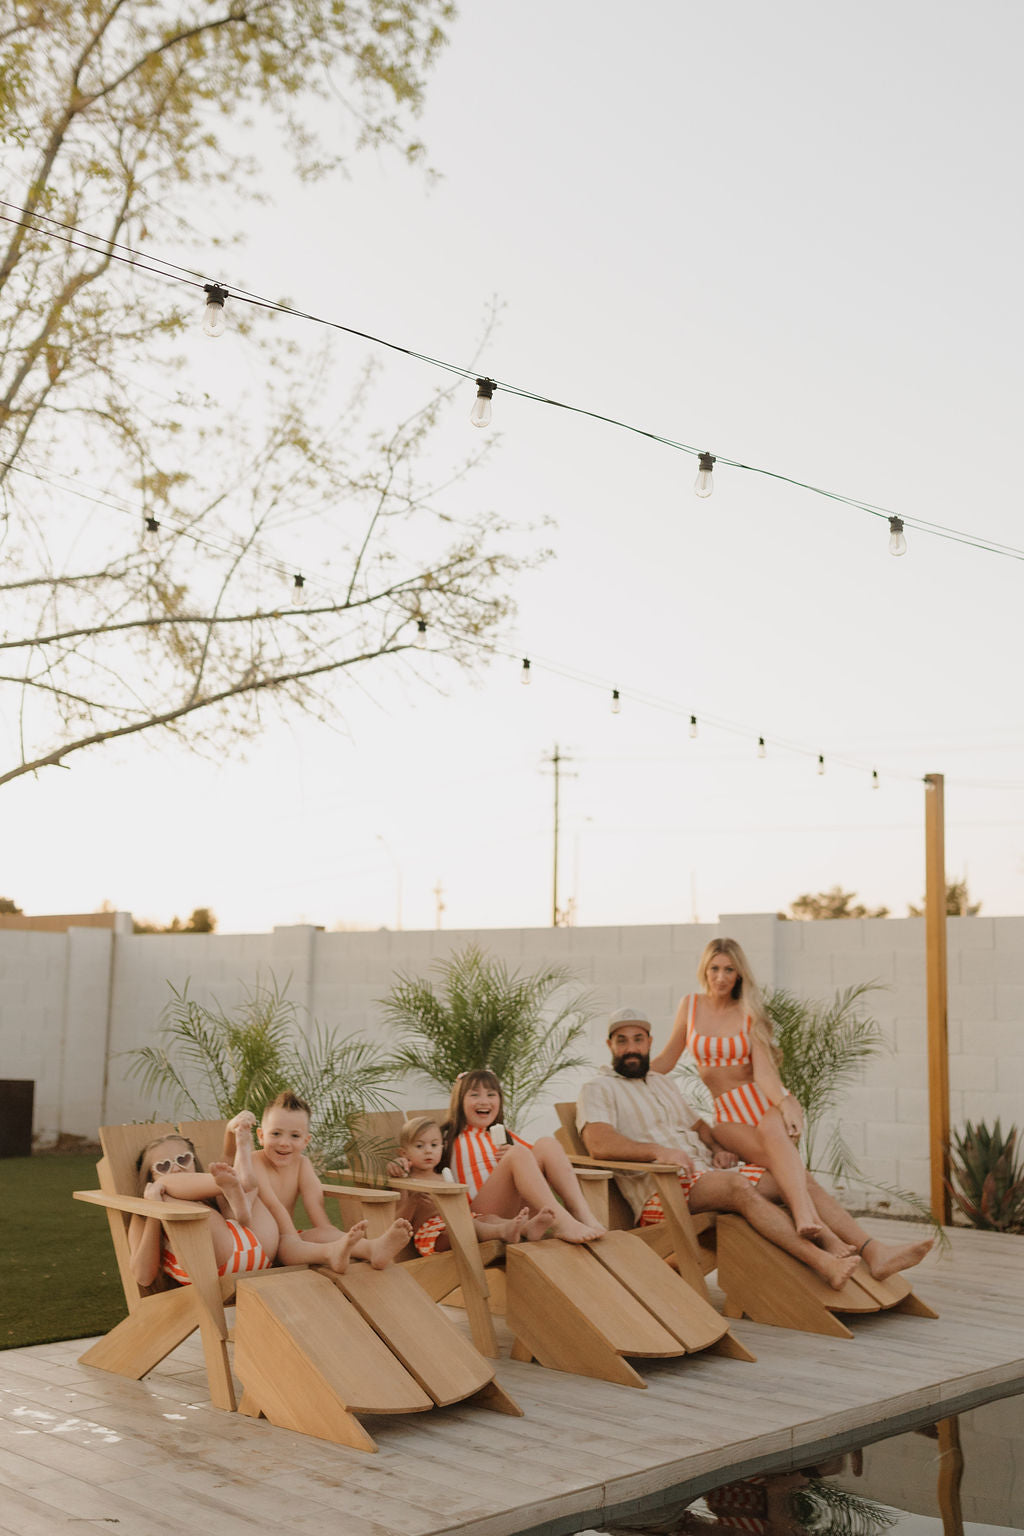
[377, 1136]
[620, 1213]
[118, 1175]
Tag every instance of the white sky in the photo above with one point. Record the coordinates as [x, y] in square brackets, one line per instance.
[788, 233]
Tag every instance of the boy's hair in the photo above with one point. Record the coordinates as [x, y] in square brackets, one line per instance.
[290, 1101]
[141, 1162]
[415, 1127]
[455, 1124]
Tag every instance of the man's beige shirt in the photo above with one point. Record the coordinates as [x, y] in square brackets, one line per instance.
[647, 1108]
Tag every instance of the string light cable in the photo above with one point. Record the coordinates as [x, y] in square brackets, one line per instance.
[173, 272]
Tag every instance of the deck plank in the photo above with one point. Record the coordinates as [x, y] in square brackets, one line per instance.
[80, 1445]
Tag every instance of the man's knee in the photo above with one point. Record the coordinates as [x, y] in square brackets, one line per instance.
[721, 1192]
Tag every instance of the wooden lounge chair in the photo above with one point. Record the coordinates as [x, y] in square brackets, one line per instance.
[759, 1280]
[583, 1309]
[312, 1349]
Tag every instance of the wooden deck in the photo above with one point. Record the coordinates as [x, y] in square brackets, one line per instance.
[153, 1458]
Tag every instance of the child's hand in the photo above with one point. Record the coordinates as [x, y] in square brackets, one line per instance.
[501, 1152]
[156, 1190]
[243, 1121]
[398, 1168]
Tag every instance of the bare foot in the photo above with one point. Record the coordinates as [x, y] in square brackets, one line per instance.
[809, 1227]
[242, 1124]
[337, 1254]
[833, 1243]
[838, 1269]
[537, 1225]
[572, 1231]
[238, 1199]
[385, 1249]
[511, 1231]
[883, 1259]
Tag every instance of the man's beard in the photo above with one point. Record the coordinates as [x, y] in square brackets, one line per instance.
[633, 1065]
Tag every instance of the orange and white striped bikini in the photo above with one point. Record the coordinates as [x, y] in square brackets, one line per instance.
[475, 1157]
[745, 1104]
[247, 1257]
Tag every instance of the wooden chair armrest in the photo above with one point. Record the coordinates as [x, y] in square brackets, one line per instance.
[618, 1166]
[428, 1187]
[594, 1175]
[132, 1205]
[370, 1194]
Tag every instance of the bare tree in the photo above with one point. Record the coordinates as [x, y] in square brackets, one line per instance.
[142, 576]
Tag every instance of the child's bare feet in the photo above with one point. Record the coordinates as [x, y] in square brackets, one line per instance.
[883, 1259]
[385, 1249]
[511, 1231]
[537, 1225]
[336, 1255]
[242, 1124]
[239, 1200]
[572, 1231]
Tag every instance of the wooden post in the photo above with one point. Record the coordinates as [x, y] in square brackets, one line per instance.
[938, 1045]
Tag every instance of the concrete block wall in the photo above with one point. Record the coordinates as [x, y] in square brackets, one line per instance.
[72, 1004]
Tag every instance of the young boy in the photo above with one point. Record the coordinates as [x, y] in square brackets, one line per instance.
[283, 1174]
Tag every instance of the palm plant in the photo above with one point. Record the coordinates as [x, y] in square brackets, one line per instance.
[823, 1045]
[214, 1063]
[481, 1015]
[987, 1178]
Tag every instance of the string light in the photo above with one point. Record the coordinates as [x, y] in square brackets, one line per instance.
[762, 750]
[704, 483]
[152, 526]
[213, 319]
[693, 727]
[821, 764]
[480, 415]
[874, 778]
[616, 702]
[298, 582]
[421, 626]
[525, 676]
[897, 543]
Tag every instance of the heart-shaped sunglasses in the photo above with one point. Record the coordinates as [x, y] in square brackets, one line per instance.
[168, 1164]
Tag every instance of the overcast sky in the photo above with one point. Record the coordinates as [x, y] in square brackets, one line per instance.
[790, 234]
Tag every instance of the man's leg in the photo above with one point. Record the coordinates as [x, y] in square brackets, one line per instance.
[719, 1191]
[883, 1259]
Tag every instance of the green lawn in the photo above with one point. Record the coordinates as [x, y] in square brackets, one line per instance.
[59, 1274]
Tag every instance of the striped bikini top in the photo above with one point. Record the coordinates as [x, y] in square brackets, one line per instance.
[475, 1157]
[717, 1050]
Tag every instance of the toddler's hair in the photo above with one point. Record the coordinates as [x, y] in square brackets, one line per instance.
[142, 1161]
[415, 1127]
[290, 1101]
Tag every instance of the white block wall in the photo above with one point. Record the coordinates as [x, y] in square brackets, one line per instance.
[71, 1005]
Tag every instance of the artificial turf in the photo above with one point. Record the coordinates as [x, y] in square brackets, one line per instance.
[60, 1277]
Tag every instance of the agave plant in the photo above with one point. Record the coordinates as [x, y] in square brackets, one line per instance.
[823, 1045]
[213, 1063]
[988, 1181]
[481, 1015]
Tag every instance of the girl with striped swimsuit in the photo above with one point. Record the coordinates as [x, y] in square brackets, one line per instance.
[244, 1232]
[756, 1117]
[504, 1172]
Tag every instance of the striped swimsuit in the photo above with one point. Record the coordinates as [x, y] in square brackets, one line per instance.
[745, 1104]
[248, 1256]
[475, 1157]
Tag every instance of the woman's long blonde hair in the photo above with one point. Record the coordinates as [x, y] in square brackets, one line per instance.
[746, 990]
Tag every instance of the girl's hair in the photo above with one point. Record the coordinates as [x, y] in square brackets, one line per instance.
[415, 1127]
[745, 991]
[455, 1124]
[142, 1161]
[290, 1101]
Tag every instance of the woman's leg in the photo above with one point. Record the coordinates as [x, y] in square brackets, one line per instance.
[883, 1259]
[518, 1180]
[769, 1145]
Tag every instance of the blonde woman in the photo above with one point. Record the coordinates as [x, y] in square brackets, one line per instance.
[726, 1028]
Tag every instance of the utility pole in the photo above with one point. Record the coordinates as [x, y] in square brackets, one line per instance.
[556, 760]
[937, 993]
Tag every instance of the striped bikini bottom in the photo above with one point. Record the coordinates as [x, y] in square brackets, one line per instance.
[744, 1105]
[247, 1257]
[653, 1212]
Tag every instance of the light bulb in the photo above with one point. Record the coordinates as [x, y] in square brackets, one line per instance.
[421, 626]
[213, 319]
[704, 483]
[616, 702]
[298, 589]
[897, 543]
[480, 415]
[821, 764]
[693, 727]
[874, 778]
[525, 677]
[152, 526]
[762, 750]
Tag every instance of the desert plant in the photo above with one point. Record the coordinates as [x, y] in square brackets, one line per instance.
[987, 1178]
[481, 1015]
[822, 1046]
[215, 1063]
